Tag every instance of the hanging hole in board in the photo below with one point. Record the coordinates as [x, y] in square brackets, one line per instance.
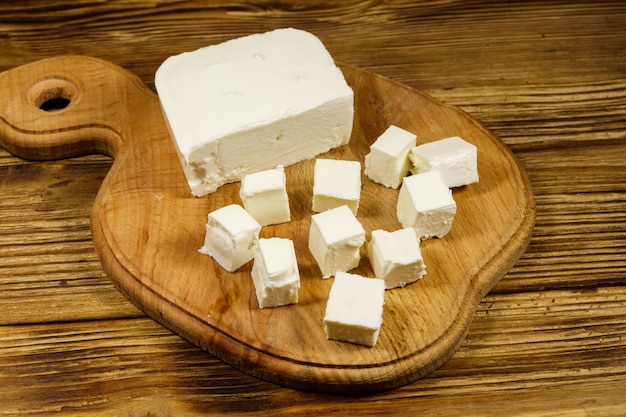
[55, 103]
[53, 94]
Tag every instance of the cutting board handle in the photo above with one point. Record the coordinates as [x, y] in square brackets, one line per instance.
[69, 106]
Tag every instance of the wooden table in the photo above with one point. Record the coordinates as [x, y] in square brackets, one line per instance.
[548, 78]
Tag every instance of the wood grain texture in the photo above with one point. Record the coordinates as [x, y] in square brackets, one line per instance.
[147, 227]
[546, 78]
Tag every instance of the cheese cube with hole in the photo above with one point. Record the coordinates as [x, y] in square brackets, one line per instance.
[251, 104]
[388, 160]
[455, 158]
[335, 240]
[231, 235]
[396, 257]
[275, 272]
[425, 203]
[354, 310]
[336, 183]
[264, 196]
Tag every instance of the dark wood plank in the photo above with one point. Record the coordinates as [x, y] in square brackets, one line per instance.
[545, 77]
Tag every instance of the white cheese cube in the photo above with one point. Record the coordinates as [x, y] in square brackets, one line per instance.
[425, 203]
[253, 103]
[231, 235]
[453, 157]
[354, 311]
[396, 257]
[336, 183]
[275, 272]
[335, 240]
[388, 160]
[264, 196]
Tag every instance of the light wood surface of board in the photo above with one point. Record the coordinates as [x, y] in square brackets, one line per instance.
[147, 227]
[547, 78]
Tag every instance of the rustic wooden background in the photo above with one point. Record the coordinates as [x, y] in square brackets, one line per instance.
[548, 78]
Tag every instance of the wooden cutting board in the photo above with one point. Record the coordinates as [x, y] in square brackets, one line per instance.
[147, 227]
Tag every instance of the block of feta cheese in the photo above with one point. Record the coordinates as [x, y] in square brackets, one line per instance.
[336, 183]
[253, 103]
[335, 240]
[425, 203]
[396, 257]
[275, 272]
[264, 196]
[354, 310]
[388, 160]
[231, 235]
[455, 158]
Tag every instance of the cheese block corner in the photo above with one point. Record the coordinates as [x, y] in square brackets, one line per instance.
[253, 103]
